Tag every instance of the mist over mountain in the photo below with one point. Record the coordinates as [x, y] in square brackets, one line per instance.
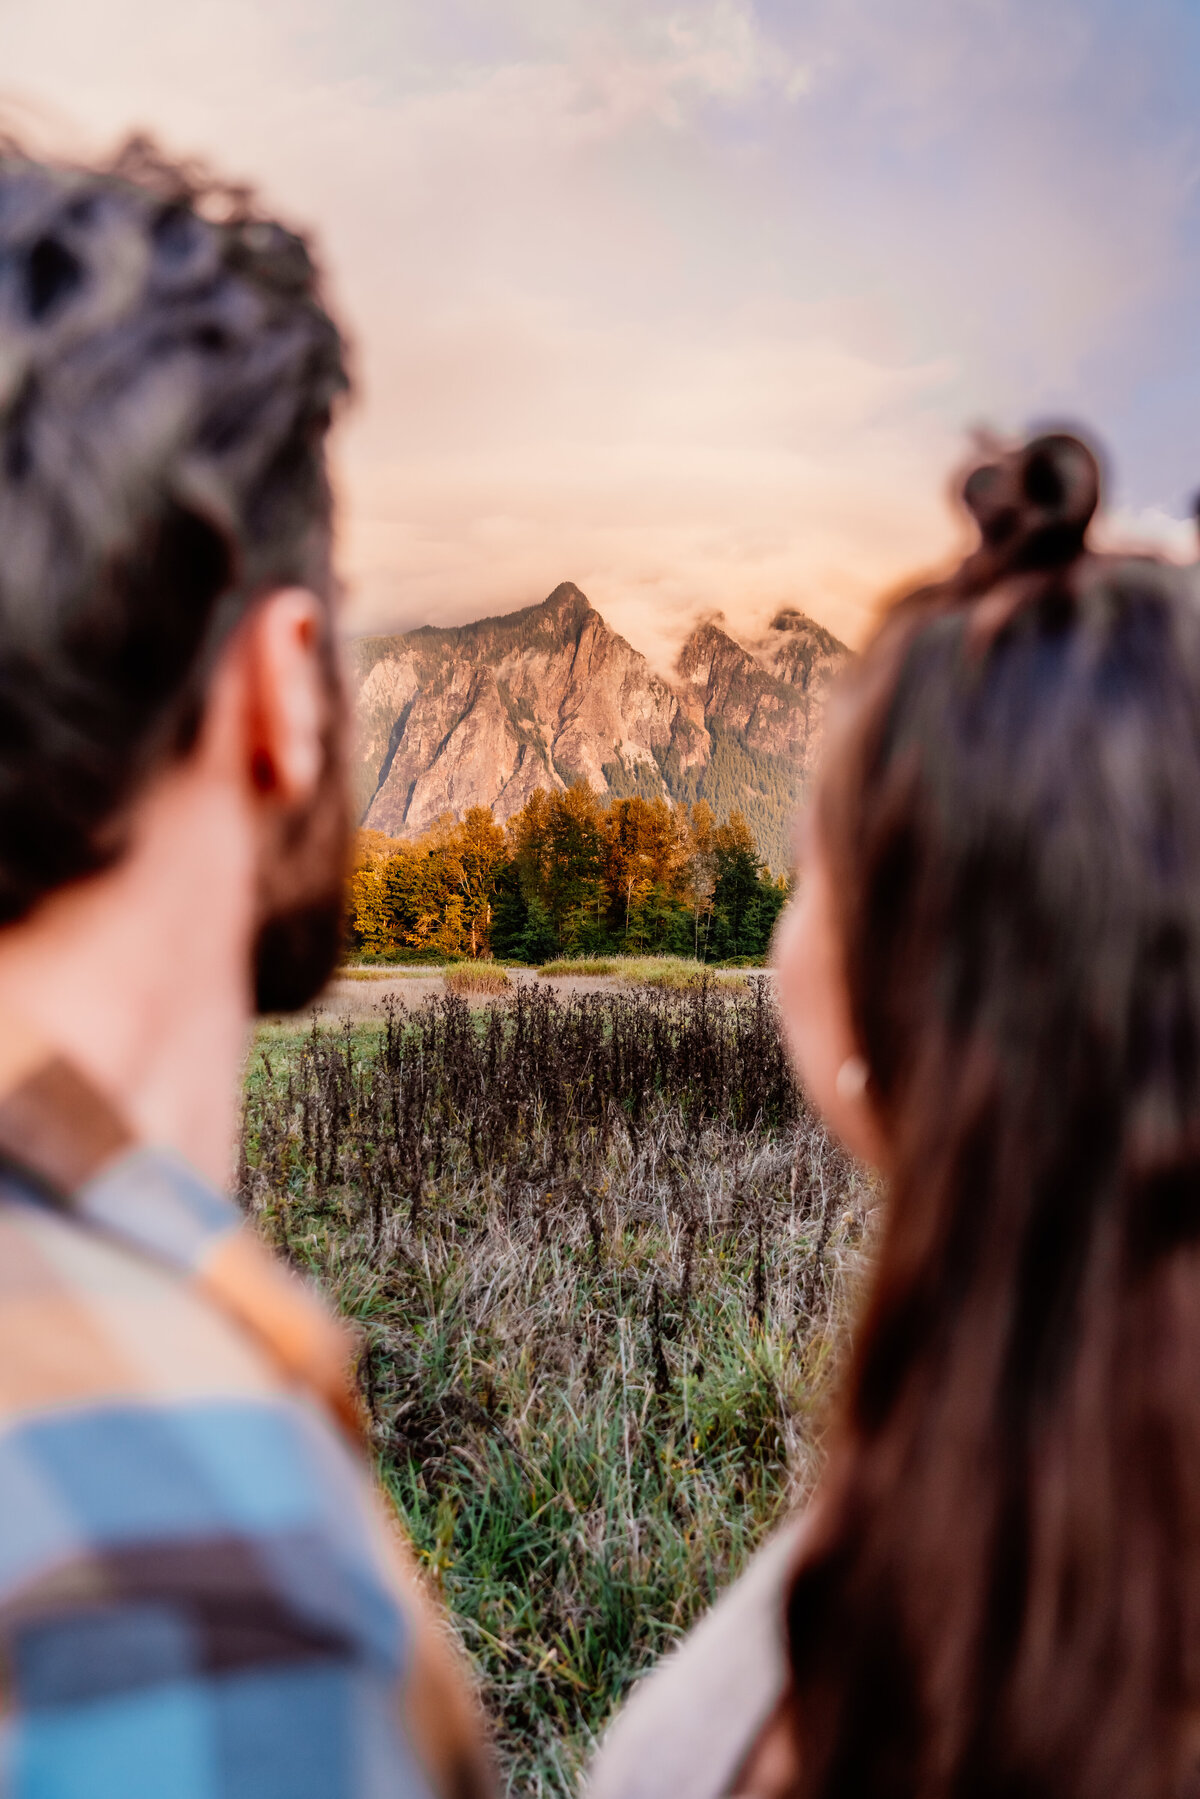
[482, 714]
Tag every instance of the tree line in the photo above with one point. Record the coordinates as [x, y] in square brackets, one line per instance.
[569, 875]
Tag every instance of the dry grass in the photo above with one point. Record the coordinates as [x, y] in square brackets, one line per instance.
[389, 971]
[687, 977]
[583, 965]
[477, 980]
[601, 1257]
[677, 973]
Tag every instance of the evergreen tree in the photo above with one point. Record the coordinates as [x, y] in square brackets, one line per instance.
[510, 916]
[540, 940]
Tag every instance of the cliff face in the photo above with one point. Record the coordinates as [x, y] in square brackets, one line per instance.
[482, 714]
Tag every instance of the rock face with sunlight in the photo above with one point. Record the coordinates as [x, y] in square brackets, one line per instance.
[483, 714]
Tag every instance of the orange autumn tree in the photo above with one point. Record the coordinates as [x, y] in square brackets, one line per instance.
[570, 873]
[430, 894]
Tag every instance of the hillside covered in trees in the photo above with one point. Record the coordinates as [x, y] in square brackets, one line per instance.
[569, 874]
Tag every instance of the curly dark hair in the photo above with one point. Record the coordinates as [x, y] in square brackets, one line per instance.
[167, 375]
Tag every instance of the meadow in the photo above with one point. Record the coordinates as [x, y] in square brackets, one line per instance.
[600, 1256]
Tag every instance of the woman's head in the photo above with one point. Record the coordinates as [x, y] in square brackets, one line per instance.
[1006, 883]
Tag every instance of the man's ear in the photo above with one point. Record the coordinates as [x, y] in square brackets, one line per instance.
[287, 695]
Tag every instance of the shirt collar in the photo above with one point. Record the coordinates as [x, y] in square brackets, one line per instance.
[56, 1127]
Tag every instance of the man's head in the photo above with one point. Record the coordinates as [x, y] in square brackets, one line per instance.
[167, 373]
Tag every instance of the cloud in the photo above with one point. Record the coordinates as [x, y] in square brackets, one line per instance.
[745, 474]
[689, 303]
[1148, 528]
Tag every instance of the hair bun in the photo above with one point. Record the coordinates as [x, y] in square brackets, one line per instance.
[1033, 506]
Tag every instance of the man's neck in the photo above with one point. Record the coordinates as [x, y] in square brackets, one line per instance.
[140, 975]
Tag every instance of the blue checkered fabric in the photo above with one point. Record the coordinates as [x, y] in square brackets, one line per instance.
[201, 1594]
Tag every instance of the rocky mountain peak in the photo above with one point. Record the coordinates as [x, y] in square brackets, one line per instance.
[797, 650]
[485, 713]
[568, 604]
[707, 639]
[791, 619]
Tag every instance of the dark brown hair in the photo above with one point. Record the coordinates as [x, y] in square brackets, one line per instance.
[167, 371]
[1004, 1597]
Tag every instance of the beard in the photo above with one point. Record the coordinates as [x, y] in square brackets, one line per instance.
[295, 952]
[302, 888]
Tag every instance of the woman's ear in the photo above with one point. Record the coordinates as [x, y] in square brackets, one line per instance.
[287, 695]
[815, 1009]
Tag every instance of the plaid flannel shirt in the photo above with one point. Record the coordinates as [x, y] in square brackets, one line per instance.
[201, 1594]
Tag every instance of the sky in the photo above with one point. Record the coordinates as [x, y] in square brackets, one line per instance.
[696, 305]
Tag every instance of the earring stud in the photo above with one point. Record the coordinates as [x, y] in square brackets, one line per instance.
[852, 1078]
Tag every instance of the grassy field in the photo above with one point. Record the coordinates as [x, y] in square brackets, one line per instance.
[677, 972]
[599, 1253]
[642, 970]
[384, 971]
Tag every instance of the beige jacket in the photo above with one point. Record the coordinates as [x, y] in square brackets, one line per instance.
[689, 1725]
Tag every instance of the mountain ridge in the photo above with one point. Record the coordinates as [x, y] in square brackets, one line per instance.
[451, 716]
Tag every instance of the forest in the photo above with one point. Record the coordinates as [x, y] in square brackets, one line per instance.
[571, 874]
